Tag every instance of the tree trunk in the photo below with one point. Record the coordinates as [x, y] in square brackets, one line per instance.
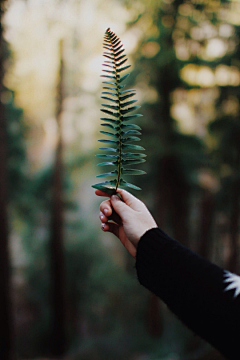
[154, 324]
[6, 326]
[58, 338]
[234, 224]
[206, 220]
[173, 198]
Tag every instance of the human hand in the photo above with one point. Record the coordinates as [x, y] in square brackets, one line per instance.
[130, 218]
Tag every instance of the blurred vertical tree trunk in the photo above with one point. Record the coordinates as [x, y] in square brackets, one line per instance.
[206, 221]
[6, 325]
[173, 198]
[234, 226]
[172, 191]
[58, 338]
[154, 316]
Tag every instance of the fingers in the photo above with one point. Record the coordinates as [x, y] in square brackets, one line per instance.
[108, 213]
[101, 193]
[106, 208]
[121, 208]
[128, 198]
[111, 227]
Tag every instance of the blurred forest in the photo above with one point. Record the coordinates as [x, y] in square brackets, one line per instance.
[68, 290]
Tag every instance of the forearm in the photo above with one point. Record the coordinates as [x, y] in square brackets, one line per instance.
[192, 287]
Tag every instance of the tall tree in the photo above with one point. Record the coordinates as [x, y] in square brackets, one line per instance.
[171, 189]
[206, 222]
[58, 338]
[6, 327]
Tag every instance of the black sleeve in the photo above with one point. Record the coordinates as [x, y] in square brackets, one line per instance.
[204, 296]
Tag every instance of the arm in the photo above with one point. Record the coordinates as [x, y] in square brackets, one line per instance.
[200, 293]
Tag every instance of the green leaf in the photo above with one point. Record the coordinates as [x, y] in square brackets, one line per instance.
[129, 117]
[109, 126]
[116, 43]
[130, 138]
[111, 106]
[118, 53]
[105, 163]
[132, 161]
[109, 99]
[110, 113]
[110, 66]
[122, 69]
[121, 86]
[115, 135]
[109, 88]
[108, 76]
[123, 77]
[109, 62]
[111, 173]
[107, 47]
[110, 191]
[109, 149]
[109, 82]
[126, 91]
[133, 172]
[109, 141]
[127, 103]
[113, 121]
[132, 155]
[131, 132]
[121, 63]
[109, 71]
[107, 156]
[118, 48]
[120, 57]
[123, 183]
[130, 126]
[130, 109]
[108, 57]
[109, 93]
[108, 182]
[122, 98]
[134, 147]
[108, 53]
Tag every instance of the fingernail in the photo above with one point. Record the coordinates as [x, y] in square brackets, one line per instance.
[101, 215]
[102, 226]
[105, 211]
[115, 197]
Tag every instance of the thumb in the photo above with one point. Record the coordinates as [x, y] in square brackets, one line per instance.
[120, 207]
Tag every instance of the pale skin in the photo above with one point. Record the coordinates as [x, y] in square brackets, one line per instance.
[128, 219]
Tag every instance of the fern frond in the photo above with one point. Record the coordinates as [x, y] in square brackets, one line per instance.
[120, 133]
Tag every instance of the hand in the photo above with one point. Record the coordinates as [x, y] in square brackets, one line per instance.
[130, 218]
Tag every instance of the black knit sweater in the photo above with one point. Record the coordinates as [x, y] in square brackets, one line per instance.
[204, 296]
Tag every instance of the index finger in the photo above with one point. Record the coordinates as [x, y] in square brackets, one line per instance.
[126, 197]
[101, 193]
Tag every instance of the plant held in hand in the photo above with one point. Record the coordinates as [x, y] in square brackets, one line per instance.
[120, 133]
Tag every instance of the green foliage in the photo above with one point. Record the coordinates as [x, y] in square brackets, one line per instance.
[121, 133]
[16, 148]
